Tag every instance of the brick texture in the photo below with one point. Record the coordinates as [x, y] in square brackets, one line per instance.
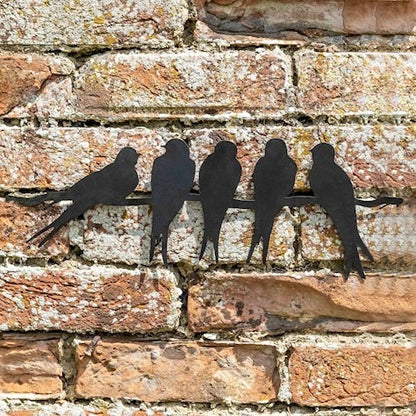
[85, 299]
[22, 77]
[18, 223]
[56, 158]
[121, 234]
[388, 233]
[379, 156]
[276, 303]
[353, 376]
[201, 372]
[30, 367]
[81, 23]
[340, 84]
[184, 84]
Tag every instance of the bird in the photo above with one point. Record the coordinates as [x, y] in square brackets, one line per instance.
[110, 185]
[218, 179]
[172, 179]
[333, 190]
[273, 178]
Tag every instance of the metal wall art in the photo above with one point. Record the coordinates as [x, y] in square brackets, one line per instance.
[172, 179]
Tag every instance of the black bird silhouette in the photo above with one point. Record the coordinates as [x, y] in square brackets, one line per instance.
[274, 178]
[218, 179]
[172, 179]
[333, 190]
[109, 186]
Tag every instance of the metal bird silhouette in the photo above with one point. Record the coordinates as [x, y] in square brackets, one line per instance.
[218, 179]
[333, 190]
[274, 178]
[108, 186]
[172, 179]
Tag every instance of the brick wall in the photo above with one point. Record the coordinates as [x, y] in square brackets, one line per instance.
[89, 326]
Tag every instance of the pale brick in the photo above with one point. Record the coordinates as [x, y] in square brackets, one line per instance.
[92, 23]
[187, 85]
[123, 235]
[30, 367]
[340, 84]
[387, 232]
[56, 158]
[76, 298]
[277, 303]
[201, 372]
[19, 223]
[23, 76]
[353, 376]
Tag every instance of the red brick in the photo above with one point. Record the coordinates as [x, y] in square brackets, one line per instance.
[23, 76]
[276, 303]
[18, 223]
[353, 376]
[30, 367]
[340, 84]
[184, 84]
[177, 371]
[396, 16]
[360, 16]
[86, 299]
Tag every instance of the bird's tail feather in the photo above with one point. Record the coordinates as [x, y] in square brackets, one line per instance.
[254, 242]
[157, 237]
[352, 259]
[203, 246]
[364, 248]
[72, 212]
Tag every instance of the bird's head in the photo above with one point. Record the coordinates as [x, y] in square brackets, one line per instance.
[226, 148]
[323, 152]
[127, 155]
[176, 147]
[275, 148]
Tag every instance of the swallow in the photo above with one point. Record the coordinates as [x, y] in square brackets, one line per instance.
[333, 190]
[218, 179]
[273, 178]
[111, 185]
[172, 179]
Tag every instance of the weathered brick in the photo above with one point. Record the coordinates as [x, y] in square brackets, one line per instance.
[78, 298]
[22, 77]
[185, 84]
[269, 17]
[205, 34]
[92, 23]
[30, 367]
[18, 223]
[123, 235]
[353, 376]
[387, 232]
[276, 303]
[201, 372]
[344, 83]
[56, 158]
[379, 156]
[381, 17]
